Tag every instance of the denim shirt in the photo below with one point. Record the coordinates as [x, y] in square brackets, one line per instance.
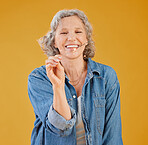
[100, 108]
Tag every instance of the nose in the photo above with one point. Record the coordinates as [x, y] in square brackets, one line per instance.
[71, 37]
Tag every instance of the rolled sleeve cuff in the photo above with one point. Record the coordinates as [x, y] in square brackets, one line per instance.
[59, 121]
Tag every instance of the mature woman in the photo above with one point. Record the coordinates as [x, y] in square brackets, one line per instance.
[75, 99]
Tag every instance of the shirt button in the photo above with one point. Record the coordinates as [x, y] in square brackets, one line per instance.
[74, 96]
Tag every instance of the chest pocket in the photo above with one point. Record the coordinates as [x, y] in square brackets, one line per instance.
[99, 103]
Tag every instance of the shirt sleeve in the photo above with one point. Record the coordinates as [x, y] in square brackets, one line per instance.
[112, 130]
[41, 96]
[60, 122]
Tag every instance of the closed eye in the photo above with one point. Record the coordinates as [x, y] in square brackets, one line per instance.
[63, 33]
[78, 31]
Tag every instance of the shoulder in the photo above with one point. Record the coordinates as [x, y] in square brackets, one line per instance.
[38, 74]
[106, 72]
[38, 71]
[103, 69]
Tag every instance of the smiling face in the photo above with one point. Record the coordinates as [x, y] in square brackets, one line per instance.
[70, 35]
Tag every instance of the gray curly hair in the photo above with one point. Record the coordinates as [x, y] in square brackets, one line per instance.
[47, 42]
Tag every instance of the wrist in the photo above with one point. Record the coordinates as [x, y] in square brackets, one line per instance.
[58, 88]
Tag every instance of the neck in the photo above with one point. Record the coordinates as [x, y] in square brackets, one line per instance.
[74, 67]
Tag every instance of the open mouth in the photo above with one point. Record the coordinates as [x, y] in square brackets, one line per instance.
[72, 46]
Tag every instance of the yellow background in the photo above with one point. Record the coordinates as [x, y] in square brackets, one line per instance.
[120, 34]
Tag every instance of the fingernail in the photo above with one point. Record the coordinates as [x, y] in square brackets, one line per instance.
[59, 56]
[57, 60]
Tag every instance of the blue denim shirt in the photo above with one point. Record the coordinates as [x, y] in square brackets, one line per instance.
[100, 108]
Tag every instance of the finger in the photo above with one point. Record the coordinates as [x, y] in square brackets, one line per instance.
[54, 64]
[49, 65]
[55, 58]
[51, 75]
[60, 67]
[58, 56]
[50, 72]
[52, 60]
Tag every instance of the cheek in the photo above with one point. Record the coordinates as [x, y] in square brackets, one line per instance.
[83, 38]
[57, 42]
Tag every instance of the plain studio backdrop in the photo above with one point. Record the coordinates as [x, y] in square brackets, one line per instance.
[120, 32]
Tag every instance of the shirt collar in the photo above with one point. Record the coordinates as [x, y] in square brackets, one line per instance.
[93, 66]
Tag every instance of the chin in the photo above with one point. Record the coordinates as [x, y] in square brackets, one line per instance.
[73, 56]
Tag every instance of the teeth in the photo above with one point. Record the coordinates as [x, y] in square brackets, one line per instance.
[70, 46]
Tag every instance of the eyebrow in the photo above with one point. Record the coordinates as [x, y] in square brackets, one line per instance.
[75, 28]
[79, 28]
